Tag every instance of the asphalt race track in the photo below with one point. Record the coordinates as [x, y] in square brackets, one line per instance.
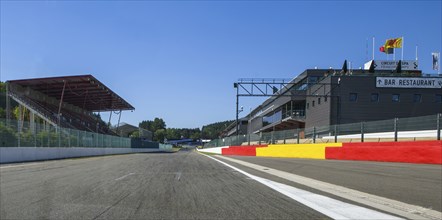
[185, 185]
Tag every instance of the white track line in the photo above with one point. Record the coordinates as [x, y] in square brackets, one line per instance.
[330, 207]
[120, 178]
[388, 205]
[25, 165]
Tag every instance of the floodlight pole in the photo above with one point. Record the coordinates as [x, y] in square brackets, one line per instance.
[235, 85]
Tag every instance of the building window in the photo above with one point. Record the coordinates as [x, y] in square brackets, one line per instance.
[325, 99]
[374, 97]
[319, 101]
[313, 103]
[438, 98]
[353, 97]
[308, 105]
[396, 98]
[417, 98]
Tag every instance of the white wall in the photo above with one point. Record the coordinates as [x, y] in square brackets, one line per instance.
[213, 150]
[22, 154]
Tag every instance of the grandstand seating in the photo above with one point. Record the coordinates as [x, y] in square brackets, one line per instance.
[68, 119]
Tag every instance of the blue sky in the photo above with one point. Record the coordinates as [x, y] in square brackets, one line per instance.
[179, 60]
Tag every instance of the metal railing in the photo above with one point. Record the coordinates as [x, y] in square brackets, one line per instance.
[397, 129]
[14, 133]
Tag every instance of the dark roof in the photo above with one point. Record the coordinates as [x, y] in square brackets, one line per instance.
[83, 91]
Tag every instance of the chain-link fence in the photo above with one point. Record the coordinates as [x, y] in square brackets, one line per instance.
[15, 133]
[398, 129]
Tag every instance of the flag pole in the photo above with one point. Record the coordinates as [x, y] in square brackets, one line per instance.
[402, 50]
[394, 53]
[416, 53]
[373, 50]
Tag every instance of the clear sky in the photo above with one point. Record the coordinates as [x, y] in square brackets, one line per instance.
[178, 60]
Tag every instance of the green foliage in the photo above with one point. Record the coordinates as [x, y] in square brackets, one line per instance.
[212, 131]
[2, 113]
[179, 133]
[159, 135]
[135, 134]
[156, 124]
[2, 87]
[8, 136]
[16, 113]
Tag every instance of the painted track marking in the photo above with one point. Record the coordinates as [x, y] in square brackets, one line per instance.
[388, 205]
[120, 178]
[330, 207]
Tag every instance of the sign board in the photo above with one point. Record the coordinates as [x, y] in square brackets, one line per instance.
[409, 82]
[392, 64]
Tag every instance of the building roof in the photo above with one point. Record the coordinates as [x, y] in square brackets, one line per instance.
[83, 91]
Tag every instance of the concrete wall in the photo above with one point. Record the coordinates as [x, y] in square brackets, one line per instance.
[22, 154]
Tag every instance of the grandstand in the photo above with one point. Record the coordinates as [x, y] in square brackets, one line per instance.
[67, 101]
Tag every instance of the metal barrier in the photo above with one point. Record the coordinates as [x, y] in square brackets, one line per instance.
[415, 128]
[14, 133]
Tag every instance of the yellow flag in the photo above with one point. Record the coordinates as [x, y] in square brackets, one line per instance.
[393, 43]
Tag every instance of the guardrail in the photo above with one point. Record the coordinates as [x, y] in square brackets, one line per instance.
[397, 129]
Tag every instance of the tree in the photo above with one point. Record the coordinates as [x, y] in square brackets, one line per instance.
[158, 123]
[159, 135]
[146, 124]
[2, 113]
[135, 134]
[212, 131]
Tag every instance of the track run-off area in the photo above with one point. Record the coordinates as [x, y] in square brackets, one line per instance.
[190, 185]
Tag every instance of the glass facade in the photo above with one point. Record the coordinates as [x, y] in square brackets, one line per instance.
[374, 97]
[395, 98]
[272, 118]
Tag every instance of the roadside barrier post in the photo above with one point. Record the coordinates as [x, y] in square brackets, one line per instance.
[297, 137]
[395, 129]
[336, 134]
[285, 134]
[362, 131]
[438, 126]
[314, 134]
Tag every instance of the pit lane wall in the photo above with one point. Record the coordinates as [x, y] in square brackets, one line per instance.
[425, 152]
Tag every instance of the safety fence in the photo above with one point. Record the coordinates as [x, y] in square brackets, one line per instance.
[397, 129]
[20, 133]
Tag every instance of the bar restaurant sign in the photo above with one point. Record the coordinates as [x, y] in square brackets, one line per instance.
[409, 82]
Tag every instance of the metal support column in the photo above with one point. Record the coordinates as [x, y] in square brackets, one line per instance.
[8, 106]
[314, 134]
[362, 131]
[118, 125]
[297, 138]
[61, 103]
[438, 126]
[237, 107]
[395, 129]
[336, 134]
[19, 125]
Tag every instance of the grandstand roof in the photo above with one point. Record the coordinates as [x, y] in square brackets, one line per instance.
[83, 91]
